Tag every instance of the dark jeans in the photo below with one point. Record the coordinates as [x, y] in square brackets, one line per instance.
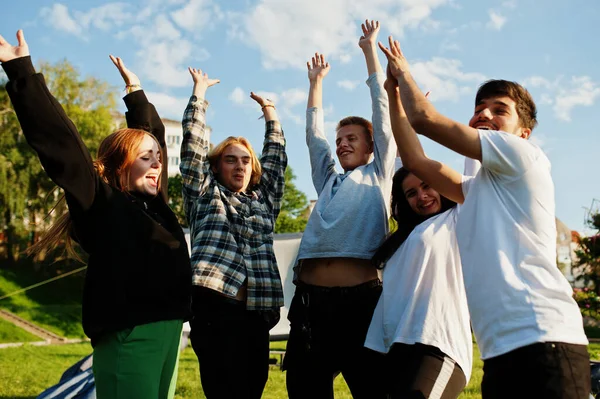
[328, 330]
[232, 345]
[422, 371]
[549, 370]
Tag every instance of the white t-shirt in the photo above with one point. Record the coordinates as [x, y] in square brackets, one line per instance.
[506, 233]
[423, 299]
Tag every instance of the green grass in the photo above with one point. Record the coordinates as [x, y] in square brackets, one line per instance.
[55, 306]
[11, 333]
[27, 370]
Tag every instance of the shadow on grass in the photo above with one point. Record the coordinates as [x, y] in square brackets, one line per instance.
[56, 304]
[18, 397]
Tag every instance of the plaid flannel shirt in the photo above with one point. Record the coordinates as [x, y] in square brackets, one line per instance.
[232, 233]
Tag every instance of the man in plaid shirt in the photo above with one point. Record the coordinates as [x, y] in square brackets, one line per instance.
[232, 201]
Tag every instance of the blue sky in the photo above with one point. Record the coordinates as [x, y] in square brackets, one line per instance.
[263, 45]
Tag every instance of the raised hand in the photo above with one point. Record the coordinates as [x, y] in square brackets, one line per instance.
[263, 102]
[319, 68]
[397, 64]
[201, 82]
[391, 83]
[369, 36]
[8, 52]
[130, 78]
[267, 106]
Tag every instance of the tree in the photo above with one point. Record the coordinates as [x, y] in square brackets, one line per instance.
[176, 199]
[291, 218]
[26, 193]
[588, 256]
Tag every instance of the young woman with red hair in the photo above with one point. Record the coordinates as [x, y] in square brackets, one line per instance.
[138, 283]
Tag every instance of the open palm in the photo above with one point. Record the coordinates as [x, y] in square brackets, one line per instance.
[319, 67]
[8, 52]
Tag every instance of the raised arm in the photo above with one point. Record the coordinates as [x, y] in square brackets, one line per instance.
[422, 114]
[321, 160]
[383, 149]
[368, 44]
[142, 115]
[194, 165]
[442, 178]
[46, 127]
[273, 159]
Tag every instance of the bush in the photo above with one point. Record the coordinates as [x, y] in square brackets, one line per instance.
[588, 301]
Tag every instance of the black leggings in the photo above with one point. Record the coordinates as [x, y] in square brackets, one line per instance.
[422, 371]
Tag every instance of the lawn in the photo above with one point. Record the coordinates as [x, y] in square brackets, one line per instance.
[26, 371]
[55, 307]
[11, 333]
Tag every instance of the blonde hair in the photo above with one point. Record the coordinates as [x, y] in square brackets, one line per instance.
[116, 154]
[215, 156]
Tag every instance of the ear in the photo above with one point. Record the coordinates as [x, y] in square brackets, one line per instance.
[525, 132]
[214, 169]
[371, 147]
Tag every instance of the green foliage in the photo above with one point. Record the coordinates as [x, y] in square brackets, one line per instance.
[176, 199]
[588, 301]
[588, 256]
[26, 193]
[294, 204]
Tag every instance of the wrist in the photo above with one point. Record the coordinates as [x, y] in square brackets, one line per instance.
[368, 46]
[199, 91]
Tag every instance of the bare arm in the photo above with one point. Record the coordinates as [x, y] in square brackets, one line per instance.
[422, 114]
[442, 178]
[368, 44]
[316, 73]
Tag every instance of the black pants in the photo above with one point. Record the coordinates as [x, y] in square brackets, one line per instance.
[422, 371]
[549, 370]
[328, 330]
[232, 345]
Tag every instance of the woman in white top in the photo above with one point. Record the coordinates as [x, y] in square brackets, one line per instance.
[421, 320]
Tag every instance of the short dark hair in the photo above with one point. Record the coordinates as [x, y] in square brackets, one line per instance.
[526, 109]
[357, 120]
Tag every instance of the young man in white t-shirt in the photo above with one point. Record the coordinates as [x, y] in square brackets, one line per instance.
[528, 327]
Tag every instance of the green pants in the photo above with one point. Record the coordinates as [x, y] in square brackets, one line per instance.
[139, 362]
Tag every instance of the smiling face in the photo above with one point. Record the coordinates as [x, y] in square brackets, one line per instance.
[144, 172]
[234, 168]
[421, 198]
[498, 113]
[352, 147]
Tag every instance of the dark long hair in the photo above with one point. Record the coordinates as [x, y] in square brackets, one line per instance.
[406, 218]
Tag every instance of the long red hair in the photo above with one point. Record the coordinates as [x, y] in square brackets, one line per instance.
[116, 154]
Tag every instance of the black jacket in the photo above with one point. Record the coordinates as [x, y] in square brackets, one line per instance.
[138, 269]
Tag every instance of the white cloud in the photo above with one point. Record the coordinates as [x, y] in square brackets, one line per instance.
[444, 79]
[448, 45]
[348, 84]
[237, 96]
[163, 51]
[563, 95]
[291, 31]
[539, 81]
[496, 21]
[510, 4]
[59, 18]
[105, 17]
[583, 92]
[293, 97]
[194, 14]
[168, 106]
